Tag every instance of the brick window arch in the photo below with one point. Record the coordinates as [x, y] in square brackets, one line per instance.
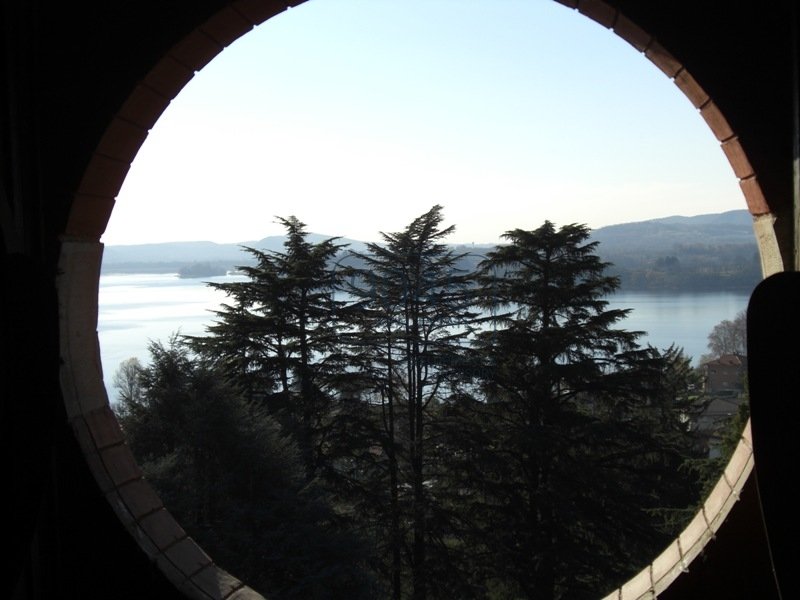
[138, 507]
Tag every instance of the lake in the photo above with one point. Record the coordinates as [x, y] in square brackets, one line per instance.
[137, 308]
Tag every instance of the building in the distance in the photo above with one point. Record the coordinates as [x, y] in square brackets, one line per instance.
[724, 380]
[725, 375]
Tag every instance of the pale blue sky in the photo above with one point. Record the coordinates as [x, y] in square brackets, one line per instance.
[357, 116]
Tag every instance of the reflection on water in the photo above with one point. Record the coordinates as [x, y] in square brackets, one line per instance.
[134, 309]
[684, 319]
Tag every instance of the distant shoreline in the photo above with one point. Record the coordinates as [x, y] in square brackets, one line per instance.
[716, 252]
[706, 284]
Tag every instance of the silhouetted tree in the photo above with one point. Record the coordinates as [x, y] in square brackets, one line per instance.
[536, 450]
[729, 336]
[279, 334]
[127, 381]
[577, 431]
[410, 322]
[236, 483]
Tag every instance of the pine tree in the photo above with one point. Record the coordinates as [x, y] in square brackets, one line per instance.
[574, 429]
[411, 320]
[236, 483]
[279, 335]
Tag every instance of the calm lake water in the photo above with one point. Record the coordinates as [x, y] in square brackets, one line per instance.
[134, 309]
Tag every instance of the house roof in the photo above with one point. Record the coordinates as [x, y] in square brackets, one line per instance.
[729, 360]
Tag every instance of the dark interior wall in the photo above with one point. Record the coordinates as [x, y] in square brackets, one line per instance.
[66, 69]
[87, 61]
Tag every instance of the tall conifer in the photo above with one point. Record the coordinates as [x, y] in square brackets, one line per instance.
[412, 321]
[574, 431]
[279, 334]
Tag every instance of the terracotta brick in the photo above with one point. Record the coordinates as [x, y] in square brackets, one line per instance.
[716, 121]
[716, 501]
[140, 498]
[737, 158]
[88, 217]
[103, 177]
[684, 561]
[662, 59]
[144, 106]
[187, 556]
[739, 466]
[120, 464]
[632, 33]
[104, 428]
[162, 528]
[196, 50]
[691, 89]
[190, 590]
[665, 565]
[756, 202]
[143, 541]
[692, 538]
[93, 460]
[258, 11]
[245, 593]
[598, 11]
[122, 140]
[168, 77]
[98, 469]
[226, 26]
[715, 521]
[87, 444]
[121, 509]
[747, 434]
[638, 586]
[71, 400]
[170, 571]
[86, 373]
[215, 582]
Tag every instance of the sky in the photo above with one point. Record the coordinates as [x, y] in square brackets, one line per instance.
[356, 116]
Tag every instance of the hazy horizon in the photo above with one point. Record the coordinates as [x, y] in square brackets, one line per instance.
[333, 235]
[357, 117]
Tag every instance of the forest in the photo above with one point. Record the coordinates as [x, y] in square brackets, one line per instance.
[703, 253]
[403, 427]
[687, 268]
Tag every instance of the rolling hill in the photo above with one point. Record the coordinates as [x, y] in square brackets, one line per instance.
[703, 252]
